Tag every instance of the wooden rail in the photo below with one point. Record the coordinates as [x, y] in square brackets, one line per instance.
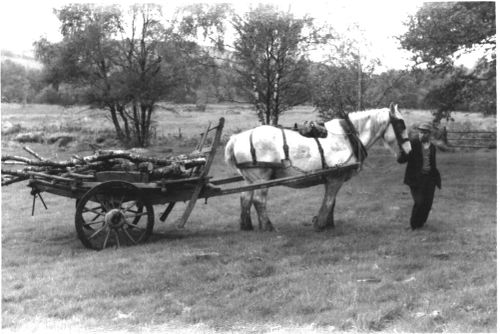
[471, 139]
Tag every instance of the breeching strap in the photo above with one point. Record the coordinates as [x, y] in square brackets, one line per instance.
[252, 150]
[285, 146]
[264, 164]
[321, 153]
[286, 151]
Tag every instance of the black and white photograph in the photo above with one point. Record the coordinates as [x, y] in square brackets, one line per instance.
[247, 166]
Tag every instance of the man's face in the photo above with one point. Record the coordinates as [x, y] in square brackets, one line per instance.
[424, 135]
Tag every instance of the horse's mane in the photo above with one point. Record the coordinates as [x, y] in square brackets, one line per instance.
[355, 115]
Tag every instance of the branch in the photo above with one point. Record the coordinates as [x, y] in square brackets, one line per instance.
[30, 151]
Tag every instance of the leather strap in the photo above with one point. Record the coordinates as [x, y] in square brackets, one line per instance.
[285, 145]
[252, 150]
[322, 153]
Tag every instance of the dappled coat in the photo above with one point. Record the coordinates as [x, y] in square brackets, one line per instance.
[413, 175]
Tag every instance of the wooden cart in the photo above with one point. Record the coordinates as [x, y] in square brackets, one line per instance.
[116, 208]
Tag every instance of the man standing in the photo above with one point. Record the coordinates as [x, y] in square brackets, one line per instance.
[421, 175]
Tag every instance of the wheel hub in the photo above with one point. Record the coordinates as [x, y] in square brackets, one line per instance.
[114, 218]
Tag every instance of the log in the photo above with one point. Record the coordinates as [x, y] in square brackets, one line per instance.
[45, 163]
[7, 181]
[36, 155]
[172, 171]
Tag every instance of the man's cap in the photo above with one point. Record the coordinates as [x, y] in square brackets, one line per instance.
[425, 126]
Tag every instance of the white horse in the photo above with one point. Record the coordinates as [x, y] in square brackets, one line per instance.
[268, 152]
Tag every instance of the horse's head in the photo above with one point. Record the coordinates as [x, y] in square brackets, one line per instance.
[395, 135]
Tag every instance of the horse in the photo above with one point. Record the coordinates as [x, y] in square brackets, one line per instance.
[268, 152]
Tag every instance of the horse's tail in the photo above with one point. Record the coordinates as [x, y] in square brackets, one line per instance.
[229, 152]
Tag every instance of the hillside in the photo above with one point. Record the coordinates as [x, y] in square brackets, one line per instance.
[25, 58]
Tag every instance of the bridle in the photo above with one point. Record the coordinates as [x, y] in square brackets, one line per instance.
[398, 125]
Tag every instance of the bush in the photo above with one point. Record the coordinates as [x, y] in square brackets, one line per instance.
[29, 137]
[48, 95]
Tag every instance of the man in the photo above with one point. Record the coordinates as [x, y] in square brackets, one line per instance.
[421, 175]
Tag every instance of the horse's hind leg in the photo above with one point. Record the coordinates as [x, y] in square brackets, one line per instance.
[260, 203]
[325, 216]
[330, 220]
[246, 205]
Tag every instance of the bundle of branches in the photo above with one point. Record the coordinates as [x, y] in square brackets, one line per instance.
[102, 160]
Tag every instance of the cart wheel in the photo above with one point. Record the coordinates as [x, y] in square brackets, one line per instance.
[113, 214]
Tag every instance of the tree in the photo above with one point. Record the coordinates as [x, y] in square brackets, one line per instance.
[270, 52]
[19, 83]
[335, 89]
[340, 81]
[439, 33]
[119, 58]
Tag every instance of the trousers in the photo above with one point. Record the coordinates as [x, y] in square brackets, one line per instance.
[423, 197]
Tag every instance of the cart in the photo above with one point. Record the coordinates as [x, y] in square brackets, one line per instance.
[115, 208]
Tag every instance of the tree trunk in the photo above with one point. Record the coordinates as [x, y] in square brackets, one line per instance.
[144, 125]
[360, 74]
[116, 123]
[136, 120]
[121, 110]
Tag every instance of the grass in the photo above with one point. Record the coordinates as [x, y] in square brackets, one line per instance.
[371, 273]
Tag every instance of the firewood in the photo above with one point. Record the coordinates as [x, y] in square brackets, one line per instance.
[104, 160]
[10, 180]
[33, 153]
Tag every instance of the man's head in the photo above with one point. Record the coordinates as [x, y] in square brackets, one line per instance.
[424, 132]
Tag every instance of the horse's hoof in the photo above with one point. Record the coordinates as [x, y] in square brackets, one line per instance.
[329, 226]
[246, 227]
[270, 228]
[318, 228]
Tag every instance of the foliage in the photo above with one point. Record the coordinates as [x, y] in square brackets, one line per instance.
[341, 82]
[19, 84]
[408, 87]
[335, 90]
[438, 34]
[126, 63]
[270, 50]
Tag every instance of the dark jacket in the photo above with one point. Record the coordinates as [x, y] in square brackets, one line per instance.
[415, 161]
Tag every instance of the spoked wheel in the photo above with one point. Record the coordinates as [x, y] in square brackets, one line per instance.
[113, 214]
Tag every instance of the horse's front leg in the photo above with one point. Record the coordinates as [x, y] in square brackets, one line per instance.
[246, 204]
[325, 217]
[260, 203]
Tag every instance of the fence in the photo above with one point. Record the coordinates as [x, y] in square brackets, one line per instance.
[470, 139]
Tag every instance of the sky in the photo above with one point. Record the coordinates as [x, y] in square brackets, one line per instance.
[23, 22]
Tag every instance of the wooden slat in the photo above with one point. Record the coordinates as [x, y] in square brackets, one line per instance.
[474, 146]
[228, 180]
[471, 139]
[490, 132]
[196, 193]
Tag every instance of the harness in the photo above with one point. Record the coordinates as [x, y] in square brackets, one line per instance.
[359, 150]
[398, 125]
[285, 163]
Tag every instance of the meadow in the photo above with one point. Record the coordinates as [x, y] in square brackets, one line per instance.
[369, 274]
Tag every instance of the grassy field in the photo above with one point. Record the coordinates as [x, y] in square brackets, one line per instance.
[371, 273]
